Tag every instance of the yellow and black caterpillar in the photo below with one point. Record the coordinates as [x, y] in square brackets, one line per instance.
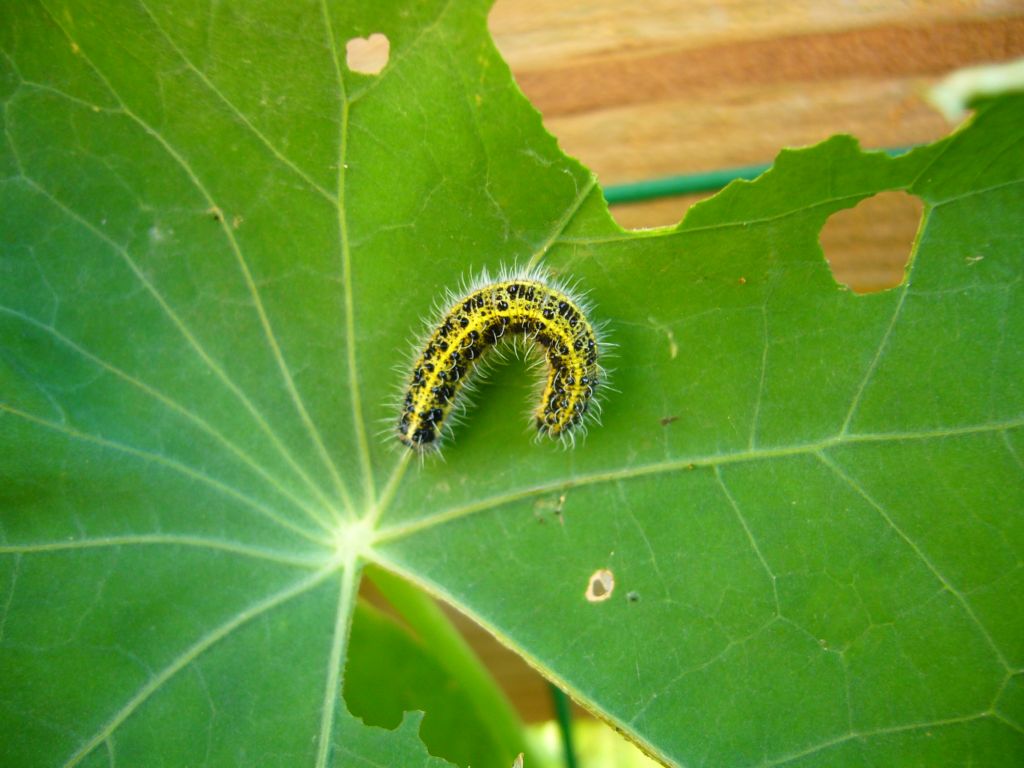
[519, 304]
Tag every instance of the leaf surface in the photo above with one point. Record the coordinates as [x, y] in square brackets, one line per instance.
[218, 242]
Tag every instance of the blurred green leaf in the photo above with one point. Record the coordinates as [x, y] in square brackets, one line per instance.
[216, 243]
[390, 672]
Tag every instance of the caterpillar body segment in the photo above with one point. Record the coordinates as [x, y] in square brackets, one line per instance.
[518, 305]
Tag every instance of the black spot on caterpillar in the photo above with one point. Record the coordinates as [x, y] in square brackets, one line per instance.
[520, 304]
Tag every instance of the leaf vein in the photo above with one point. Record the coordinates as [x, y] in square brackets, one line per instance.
[402, 530]
[243, 266]
[185, 332]
[169, 463]
[750, 538]
[176, 407]
[355, 395]
[857, 735]
[192, 653]
[334, 678]
[883, 344]
[234, 109]
[162, 539]
[919, 553]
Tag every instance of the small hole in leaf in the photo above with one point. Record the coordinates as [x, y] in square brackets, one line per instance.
[367, 55]
[868, 246]
[600, 585]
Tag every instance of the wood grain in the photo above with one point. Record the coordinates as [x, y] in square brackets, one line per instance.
[539, 33]
[834, 57]
[643, 90]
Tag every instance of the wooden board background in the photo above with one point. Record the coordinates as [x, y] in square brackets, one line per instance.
[638, 90]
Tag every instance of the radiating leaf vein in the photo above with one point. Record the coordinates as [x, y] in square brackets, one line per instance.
[178, 408]
[165, 540]
[334, 676]
[186, 333]
[243, 266]
[402, 530]
[172, 464]
[287, 162]
[193, 652]
[346, 267]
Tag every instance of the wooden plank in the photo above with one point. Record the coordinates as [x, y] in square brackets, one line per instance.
[659, 88]
[539, 34]
[835, 57]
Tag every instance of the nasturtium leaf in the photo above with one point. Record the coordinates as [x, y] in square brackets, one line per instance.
[217, 242]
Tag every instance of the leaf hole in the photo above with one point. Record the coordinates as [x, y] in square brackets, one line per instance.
[868, 247]
[368, 55]
[600, 585]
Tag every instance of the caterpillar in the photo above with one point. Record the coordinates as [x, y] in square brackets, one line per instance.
[520, 304]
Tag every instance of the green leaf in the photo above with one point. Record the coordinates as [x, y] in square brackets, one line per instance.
[389, 672]
[216, 242]
[362, 747]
